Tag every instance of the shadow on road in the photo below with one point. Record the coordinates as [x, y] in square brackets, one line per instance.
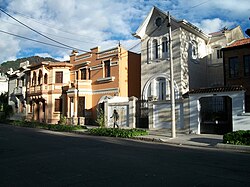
[210, 141]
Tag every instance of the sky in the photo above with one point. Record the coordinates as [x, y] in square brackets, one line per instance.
[84, 24]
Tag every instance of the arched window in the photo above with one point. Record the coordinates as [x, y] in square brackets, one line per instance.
[164, 48]
[40, 77]
[154, 50]
[194, 49]
[34, 79]
[161, 88]
[148, 51]
[46, 78]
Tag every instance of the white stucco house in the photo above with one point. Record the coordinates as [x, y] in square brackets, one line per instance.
[3, 83]
[17, 90]
[197, 63]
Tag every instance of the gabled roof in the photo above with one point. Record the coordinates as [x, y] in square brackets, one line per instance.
[142, 29]
[140, 32]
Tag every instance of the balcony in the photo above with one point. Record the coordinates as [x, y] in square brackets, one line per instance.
[19, 90]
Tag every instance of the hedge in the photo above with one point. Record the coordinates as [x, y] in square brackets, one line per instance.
[237, 138]
[115, 132]
[53, 127]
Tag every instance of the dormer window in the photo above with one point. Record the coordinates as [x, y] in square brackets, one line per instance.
[158, 22]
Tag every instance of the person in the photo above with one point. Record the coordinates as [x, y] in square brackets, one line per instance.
[116, 118]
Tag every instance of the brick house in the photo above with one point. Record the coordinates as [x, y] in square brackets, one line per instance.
[236, 58]
[98, 75]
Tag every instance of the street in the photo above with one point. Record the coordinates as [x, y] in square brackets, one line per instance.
[35, 157]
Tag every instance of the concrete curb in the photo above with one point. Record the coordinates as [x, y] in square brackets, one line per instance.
[244, 148]
[221, 146]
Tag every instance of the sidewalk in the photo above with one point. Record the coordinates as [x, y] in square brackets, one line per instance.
[198, 140]
[185, 139]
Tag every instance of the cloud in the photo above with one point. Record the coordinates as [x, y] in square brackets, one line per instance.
[213, 25]
[90, 23]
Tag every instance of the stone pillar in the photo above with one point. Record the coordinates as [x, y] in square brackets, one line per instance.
[75, 104]
[81, 121]
[106, 117]
[150, 115]
[68, 106]
[132, 112]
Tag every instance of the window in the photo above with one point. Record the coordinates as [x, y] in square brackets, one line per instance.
[161, 88]
[154, 50]
[194, 49]
[58, 105]
[46, 78]
[34, 79]
[246, 60]
[148, 51]
[219, 53]
[158, 22]
[164, 48]
[40, 77]
[83, 74]
[59, 77]
[233, 67]
[89, 72]
[107, 68]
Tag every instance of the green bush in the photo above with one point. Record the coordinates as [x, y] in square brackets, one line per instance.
[237, 138]
[53, 127]
[100, 117]
[112, 132]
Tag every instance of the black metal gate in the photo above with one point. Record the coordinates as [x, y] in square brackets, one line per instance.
[216, 115]
[142, 114]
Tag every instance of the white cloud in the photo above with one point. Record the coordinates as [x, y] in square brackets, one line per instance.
[89, 23]
[213, 25]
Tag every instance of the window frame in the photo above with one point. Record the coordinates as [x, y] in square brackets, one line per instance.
[194, 49]
[83, 73]
[59, 77]
[155, 51]
[246, 65]
[107, 68]
[233, 66]
[58, 105]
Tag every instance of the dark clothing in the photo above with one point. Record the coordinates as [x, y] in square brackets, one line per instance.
[116, 118]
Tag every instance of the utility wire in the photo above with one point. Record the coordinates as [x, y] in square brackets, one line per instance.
[41, 33]
[23, 37]
[53, 27]
[53, 34]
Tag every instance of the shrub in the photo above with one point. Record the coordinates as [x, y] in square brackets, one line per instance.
[63, 120]
[100, 117]
[53, 127]
[112, 132]
[237, 138]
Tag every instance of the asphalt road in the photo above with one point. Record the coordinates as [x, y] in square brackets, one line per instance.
[34, 157]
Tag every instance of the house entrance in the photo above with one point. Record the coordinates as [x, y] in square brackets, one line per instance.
[216, 115]
[142, 114]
